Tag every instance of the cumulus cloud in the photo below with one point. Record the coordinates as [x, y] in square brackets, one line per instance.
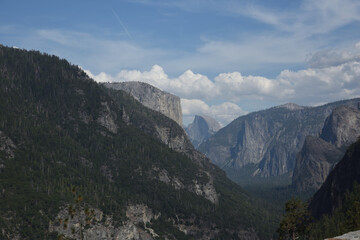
[237, 86]
[330, 83]
[224, 112]
[187, 85]
[333, 76]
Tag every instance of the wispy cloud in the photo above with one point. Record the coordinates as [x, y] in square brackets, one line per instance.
[121, 24]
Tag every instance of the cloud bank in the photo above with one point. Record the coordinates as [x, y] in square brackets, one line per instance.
[332, 76]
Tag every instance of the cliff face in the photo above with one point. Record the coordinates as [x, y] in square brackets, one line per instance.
[319, 155]
[340, 180]
[270, 139]
[314, 163]
[152, 97]
[201, 129]
[342, 128]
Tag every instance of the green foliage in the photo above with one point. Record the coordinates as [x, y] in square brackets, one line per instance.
[50, 109]
[344, 219]
[295, 222]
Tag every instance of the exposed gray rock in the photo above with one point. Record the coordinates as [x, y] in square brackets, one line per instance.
[152, 97]
[7, 145]
[102, 226]
[314, 163]
[201, 129]
[107, 118]
[347, 236]
[340, 180]
[342, 128]
[269, 139]
[319, 155]
[206, 190]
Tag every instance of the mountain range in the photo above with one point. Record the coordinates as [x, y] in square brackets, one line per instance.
[320, 154]
[267, 142]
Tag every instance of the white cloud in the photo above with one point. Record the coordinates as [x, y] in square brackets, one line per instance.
[328, 58]
[336, 77]
[187, 85]
[236, 86]
[224, 112]
[311, 18]
[329, 83]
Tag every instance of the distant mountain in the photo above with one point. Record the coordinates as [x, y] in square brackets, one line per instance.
[314, 163]
[320, 154]
[81, 160]
[342, 127]
[152, 97]
[332, 193]
[201, 129]
[268, 139]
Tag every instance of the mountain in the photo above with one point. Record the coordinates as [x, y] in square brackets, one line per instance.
[320, 154]
[152, 97]
[342, 128]
[201, 129]
[79, 160]
[332, 193]
[314, 163]
[268, 141]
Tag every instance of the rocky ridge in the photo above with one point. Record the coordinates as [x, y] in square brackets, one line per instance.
[340, 180]
[270, 139]
[201, 129]
[320, 154]
[152, 97]
[174, 136]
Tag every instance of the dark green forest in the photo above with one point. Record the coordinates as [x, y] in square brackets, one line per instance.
[50, 110]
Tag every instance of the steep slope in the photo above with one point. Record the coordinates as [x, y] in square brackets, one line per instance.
[268, 139]
[342, 128]
[314, 163]
[59, 130]
[332, 193]
[201, 129]
[319, 155]
[152, 97]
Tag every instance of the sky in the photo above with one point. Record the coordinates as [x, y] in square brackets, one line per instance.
[223, 58]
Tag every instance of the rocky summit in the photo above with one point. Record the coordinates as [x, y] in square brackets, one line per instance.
[201, 129]
[152, 97]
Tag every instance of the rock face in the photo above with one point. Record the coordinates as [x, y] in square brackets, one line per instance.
[201, 129]
[152, 97]
[319, 155]
[270, 139]
[347, 236]
[314, 163]
[101, 226]
[168, 132]
[342, 128]
[340, 180]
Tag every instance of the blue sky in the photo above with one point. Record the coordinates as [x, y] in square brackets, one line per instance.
[224, 58]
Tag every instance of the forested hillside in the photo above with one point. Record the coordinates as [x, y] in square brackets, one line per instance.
[60, 131]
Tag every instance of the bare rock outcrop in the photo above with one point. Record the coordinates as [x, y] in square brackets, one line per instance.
[201, 129]
[342, 127]
[319, 155]
[152, 97]
[103, 226]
